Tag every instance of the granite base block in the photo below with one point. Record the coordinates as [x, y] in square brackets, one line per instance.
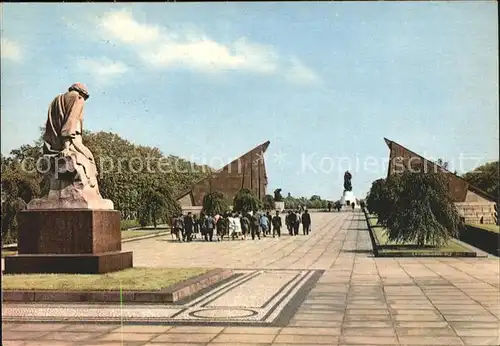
[68, 263]
[68, 231]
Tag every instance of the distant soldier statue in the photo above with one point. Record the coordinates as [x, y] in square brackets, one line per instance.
[347, 181]
[277, 195]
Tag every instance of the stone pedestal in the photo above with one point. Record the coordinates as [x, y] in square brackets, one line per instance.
[348, 196]
[79, 241]
[280, 206]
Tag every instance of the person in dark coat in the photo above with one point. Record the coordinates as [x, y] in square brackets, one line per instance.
[221, 226]
[188, 227]
[202, 224]
[296, 223]
[255, 226]
[277, 224]
[293, 222]
[306, 222]
[270, 218]
[289, 223]
[245, 225]
[329, 206]
[196, 224]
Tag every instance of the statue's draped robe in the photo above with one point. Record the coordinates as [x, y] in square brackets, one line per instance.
[347, 181]
[65, 122]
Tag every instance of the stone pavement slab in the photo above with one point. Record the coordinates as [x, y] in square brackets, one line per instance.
[357, 300]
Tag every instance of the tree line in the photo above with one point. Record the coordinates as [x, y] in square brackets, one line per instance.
[141, 181]
[314, 202]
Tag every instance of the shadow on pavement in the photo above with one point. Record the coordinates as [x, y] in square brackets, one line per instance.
[367, 251]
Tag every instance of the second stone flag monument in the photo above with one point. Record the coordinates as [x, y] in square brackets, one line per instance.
[72, 229]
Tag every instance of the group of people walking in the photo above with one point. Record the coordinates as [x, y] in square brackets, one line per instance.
[235, 225]
[294, 219]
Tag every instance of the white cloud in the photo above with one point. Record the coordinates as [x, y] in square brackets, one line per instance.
[10, 49]
[208, 55]
[121, 26]
[257, 56]
[102, 69]
[298, 73]
[188, 47]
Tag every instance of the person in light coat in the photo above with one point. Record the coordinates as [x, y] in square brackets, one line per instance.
[237, 226]
[232, 226]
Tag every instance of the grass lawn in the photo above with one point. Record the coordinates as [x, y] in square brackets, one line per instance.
[491, 228]
[134, 233]
[372, 220]
[389, 246]
[140, 279]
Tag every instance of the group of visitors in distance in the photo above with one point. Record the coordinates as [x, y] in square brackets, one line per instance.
[235, 225]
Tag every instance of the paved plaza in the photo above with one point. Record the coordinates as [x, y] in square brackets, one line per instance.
[321, 289]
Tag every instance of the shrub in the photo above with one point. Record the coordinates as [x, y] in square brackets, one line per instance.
[421, 209]
[381, 200]
[127, 224]
[268, 202]
[246, 201]
[157, 204]
[215, 203]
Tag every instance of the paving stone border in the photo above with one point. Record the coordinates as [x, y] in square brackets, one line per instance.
[378, 253]
[373, 239]
[425, 254]
[171, 294]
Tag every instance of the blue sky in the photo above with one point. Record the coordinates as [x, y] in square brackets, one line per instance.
[324, 82]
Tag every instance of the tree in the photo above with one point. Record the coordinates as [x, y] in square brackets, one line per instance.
[128, 170]
[215, 203]
[152, 209]
[268, 202]
[423, 211]
[10, 208]
[126, 174]
[291, 203]
[245, 201]
[486, 177]
[380, 200]
[157, 205]
[18, 188]
[171, 207]
[315, 202]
